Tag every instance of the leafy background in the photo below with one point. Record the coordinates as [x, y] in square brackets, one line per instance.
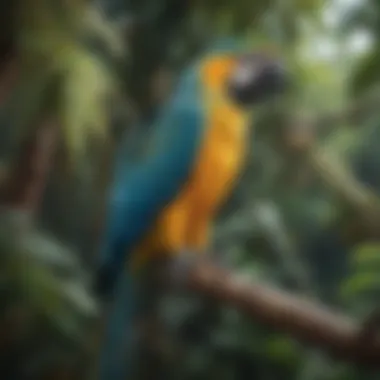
[304, 215]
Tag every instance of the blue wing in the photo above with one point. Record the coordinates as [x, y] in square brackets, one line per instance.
[144, 185]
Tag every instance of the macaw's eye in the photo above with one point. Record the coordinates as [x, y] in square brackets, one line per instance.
[257, 78]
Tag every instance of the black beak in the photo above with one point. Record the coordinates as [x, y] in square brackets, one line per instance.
[257, 79]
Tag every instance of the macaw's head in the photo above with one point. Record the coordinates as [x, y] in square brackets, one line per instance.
[249, 79]
[256, 78]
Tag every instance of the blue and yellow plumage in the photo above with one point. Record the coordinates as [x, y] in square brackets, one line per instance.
[165, 198]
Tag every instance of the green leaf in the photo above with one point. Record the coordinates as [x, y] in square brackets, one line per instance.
[281, 349]
[367, 254]
[359, 285]
[46, 277]
[367, 73]
[57, 35]
[86, 90]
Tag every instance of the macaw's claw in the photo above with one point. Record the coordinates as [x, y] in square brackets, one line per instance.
[181, 267]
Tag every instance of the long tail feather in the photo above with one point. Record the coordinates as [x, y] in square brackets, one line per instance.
[116, 356]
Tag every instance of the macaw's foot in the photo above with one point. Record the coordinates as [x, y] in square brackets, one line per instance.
[220, 261]
[181, 267]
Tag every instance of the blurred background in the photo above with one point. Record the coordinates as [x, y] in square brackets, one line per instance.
[305, 216]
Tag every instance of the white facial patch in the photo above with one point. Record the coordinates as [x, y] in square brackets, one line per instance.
[244, 74]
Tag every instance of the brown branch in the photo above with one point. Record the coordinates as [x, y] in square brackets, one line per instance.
[8, 77]
[9, 72]
[26, 183]
[22, 188]
[303, 319]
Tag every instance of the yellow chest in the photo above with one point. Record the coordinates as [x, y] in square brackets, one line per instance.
[221, 156]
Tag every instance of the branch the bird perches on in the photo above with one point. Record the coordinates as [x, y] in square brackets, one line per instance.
[303, 319]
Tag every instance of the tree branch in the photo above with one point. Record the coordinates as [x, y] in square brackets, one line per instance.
[25, 185]
[9, 75]
[304, 320]
[301, 139]
[355, 111]
[341, 180]
[22, 187]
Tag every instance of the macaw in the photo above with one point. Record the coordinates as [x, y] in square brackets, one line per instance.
[166, 195]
